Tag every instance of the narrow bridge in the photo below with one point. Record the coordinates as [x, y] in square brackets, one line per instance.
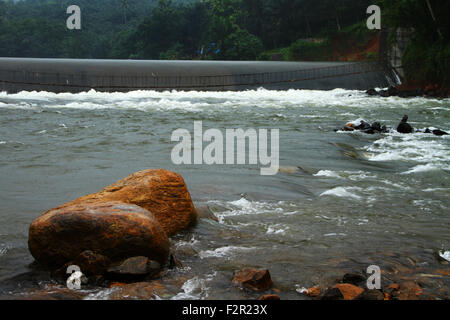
[71, 75]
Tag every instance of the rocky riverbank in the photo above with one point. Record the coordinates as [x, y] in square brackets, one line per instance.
[119, 238]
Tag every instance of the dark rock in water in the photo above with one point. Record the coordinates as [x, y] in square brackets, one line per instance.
[404, 126]
[372, 92]
[392, 91]
[256, 280]
[354, 278]
[135, 267]
[368, 131]
[363, 126]
[376, 126]
[371, 295]
[384, 94]
[436, 132]
[112, 229]
[439, 133]
[332, 294]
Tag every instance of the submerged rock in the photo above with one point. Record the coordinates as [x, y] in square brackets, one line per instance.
[134, 291]
[408, 290]
[114, 230]
[52, 292]
[204, 212]
[354, 278]
[374, 295]
[133, 268]
[332, 294]
[253, 279]
[163, 193]
[269, 297]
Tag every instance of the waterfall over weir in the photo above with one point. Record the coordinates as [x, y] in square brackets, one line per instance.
[73, 75]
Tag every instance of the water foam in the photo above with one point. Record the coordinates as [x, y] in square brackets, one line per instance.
[223, 252]
[195, 288]
[202, 100]
[343, 192]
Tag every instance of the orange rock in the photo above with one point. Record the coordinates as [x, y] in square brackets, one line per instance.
[163, 193]
[257, 280]
[349, 291]
[134, 291]
[312, 292]
[113, 229]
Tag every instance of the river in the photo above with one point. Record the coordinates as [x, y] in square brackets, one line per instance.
[341, 201]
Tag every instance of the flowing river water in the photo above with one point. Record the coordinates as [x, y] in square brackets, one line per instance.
[341, 201]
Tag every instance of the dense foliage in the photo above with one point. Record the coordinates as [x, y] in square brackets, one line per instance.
[169, 29]
[427, 58]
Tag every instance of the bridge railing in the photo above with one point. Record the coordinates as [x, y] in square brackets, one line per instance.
[152, 81]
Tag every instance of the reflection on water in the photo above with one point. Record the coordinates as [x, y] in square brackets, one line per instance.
[341, 201]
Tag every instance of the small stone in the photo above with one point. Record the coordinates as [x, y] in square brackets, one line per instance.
[269, 297]
[134, 268]
[257, 280]
[353, 278]
[349, 291]
[371, 295]
[312, 292]
[332, 294]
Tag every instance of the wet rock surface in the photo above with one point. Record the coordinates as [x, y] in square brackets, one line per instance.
[253, 279]
[161, 192]
[133, 268]
[114, 230]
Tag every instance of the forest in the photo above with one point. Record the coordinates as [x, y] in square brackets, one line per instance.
[222, 29]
